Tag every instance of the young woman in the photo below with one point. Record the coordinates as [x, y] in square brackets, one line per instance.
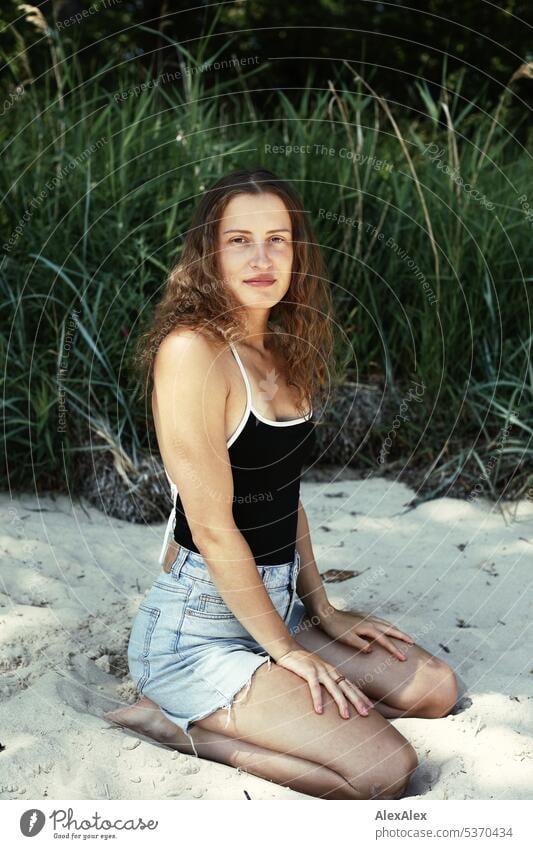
[236, 650]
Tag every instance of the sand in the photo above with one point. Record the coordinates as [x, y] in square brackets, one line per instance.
[455, 575]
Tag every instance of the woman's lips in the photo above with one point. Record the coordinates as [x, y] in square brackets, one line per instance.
[260, 282]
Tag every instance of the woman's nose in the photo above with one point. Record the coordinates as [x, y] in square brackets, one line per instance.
[261, 256]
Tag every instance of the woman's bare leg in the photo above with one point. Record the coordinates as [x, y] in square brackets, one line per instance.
[145, 717]
[422, 685]
[276, 713]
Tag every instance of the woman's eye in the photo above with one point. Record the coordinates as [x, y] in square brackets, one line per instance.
[239, 240]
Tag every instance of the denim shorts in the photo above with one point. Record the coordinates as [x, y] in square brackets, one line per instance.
[188, 652]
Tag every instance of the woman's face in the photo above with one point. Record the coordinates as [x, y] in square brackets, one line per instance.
[255, 248]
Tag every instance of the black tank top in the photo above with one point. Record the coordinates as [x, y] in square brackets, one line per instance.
[266, 459]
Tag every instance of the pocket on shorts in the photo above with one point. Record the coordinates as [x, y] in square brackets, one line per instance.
[207, 615]
[278, 581]
[212, 606]
[276, 577]
[140, 642]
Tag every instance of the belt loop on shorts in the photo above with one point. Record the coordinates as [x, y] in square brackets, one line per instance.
[175, 557]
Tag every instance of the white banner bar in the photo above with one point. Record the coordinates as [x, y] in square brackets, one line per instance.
[158, 823]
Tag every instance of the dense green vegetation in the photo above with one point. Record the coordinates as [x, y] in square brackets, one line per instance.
[423, 213]
[394, 41]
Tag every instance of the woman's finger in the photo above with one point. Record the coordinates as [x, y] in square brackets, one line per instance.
[374, 633]
[316, 694]
[337, 694]
[356, 696]
[362, 693]
[393, 631]
[389, 645]
[358, 642]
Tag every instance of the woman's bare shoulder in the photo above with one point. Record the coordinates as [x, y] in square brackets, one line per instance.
[189, 342]
[193, 352]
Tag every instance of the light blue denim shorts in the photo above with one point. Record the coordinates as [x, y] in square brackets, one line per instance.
[188, 652]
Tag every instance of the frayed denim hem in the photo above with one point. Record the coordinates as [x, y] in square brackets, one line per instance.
[226, 705]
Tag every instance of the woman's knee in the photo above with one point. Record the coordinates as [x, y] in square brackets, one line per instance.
[385, 772]
[391, 781]
[441, 690]
[405, 764]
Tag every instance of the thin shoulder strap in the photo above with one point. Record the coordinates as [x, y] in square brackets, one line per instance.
[244, 375]
[169, 531]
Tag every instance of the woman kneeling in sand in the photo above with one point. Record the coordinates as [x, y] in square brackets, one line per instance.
[236, 651]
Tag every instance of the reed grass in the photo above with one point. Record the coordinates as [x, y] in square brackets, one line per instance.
[130, 166]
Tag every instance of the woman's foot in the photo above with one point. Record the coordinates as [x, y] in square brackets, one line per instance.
[88, 689]
[145, 717]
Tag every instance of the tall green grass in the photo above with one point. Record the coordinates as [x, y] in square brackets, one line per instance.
[131, 167]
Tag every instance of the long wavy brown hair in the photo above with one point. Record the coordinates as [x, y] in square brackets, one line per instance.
[195, 295]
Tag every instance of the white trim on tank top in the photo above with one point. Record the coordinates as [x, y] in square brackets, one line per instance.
[229, 442]
[250, 407]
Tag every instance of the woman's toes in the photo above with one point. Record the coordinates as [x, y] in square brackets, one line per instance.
[116, 715]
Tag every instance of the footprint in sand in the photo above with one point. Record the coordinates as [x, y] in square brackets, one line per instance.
[423, 779]
[461, 705]
[87, 689]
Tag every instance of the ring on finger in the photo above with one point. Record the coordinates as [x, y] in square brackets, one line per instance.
[340, 678]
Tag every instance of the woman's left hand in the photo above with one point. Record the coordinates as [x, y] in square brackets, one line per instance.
[352, 628]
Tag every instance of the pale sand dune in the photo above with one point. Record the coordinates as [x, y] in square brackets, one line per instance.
[454, 575]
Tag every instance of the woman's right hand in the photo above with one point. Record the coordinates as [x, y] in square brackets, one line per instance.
[317, 671]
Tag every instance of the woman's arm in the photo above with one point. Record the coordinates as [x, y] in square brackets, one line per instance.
[347, 627]
[309, 585]
[189, 402]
